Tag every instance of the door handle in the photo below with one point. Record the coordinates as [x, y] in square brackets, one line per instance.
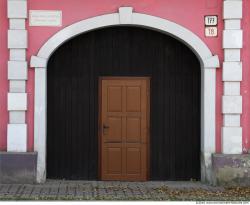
[105, 126]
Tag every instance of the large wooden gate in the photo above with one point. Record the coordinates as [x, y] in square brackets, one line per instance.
[72, 101]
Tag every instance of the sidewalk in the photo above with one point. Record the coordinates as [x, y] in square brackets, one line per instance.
[98, 190]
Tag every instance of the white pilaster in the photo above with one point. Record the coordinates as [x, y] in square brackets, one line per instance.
[17, 76]
[232, 76]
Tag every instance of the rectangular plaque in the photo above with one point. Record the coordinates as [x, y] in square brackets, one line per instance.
[211, 20]
[45, 18]
[211, 31]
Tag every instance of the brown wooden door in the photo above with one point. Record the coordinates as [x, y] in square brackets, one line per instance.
[124, 128]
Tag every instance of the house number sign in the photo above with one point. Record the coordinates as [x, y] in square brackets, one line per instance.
[45, 18]
[211, 29]
[211, 20]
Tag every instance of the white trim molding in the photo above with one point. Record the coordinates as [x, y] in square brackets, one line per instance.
[232, 76]
[127, 17]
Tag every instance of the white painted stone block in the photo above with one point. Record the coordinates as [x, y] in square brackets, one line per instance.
[17, 138]
[233, 24]
[212, 62]
[17, 8]
[231, 120]
[232, 39]
[231, 55]
[17, 54]
[17, 86]
[17, 117]
[232, 10]
[17, 101]
[17, 39]
[232, 140]
[125, 14]
[231, 104]
[231, 88]
[17, 24]
[232, 71]
[38, 62]
[17, 70]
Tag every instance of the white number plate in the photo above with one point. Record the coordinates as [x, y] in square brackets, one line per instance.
[211, 20]
[211, 32]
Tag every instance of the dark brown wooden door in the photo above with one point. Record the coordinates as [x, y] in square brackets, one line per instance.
[124, 129]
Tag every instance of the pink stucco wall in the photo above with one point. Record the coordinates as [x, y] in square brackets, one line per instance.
[245, 85]
[189, 14]
[3, 75]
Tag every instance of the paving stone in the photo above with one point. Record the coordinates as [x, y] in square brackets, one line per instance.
[45, 191]
[79, 192]
[36, 191]
[54, 190]
[5, 188]
[27, 190]
[20, 190]
[14, 189]
[71, 191]
[62, 190]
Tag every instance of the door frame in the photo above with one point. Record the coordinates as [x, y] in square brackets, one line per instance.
[148, 82]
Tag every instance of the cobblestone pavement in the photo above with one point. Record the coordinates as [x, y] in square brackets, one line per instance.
[95, 190]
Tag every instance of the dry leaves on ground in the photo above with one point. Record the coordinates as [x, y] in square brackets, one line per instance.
[232, 193]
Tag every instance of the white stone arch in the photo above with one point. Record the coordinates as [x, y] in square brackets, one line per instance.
[125, 16]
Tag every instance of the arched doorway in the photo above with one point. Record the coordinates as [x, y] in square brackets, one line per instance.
[126, 16]
[73, 104]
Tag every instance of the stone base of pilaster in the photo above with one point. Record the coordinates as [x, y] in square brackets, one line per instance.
[231, 169]
[18, 168]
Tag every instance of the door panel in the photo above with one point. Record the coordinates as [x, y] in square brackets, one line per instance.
[133, 160]
[136, 158]
[124, 125]
[133, 129]
[133, 99]
[113, 131]
[115, 99]
[114, 160]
